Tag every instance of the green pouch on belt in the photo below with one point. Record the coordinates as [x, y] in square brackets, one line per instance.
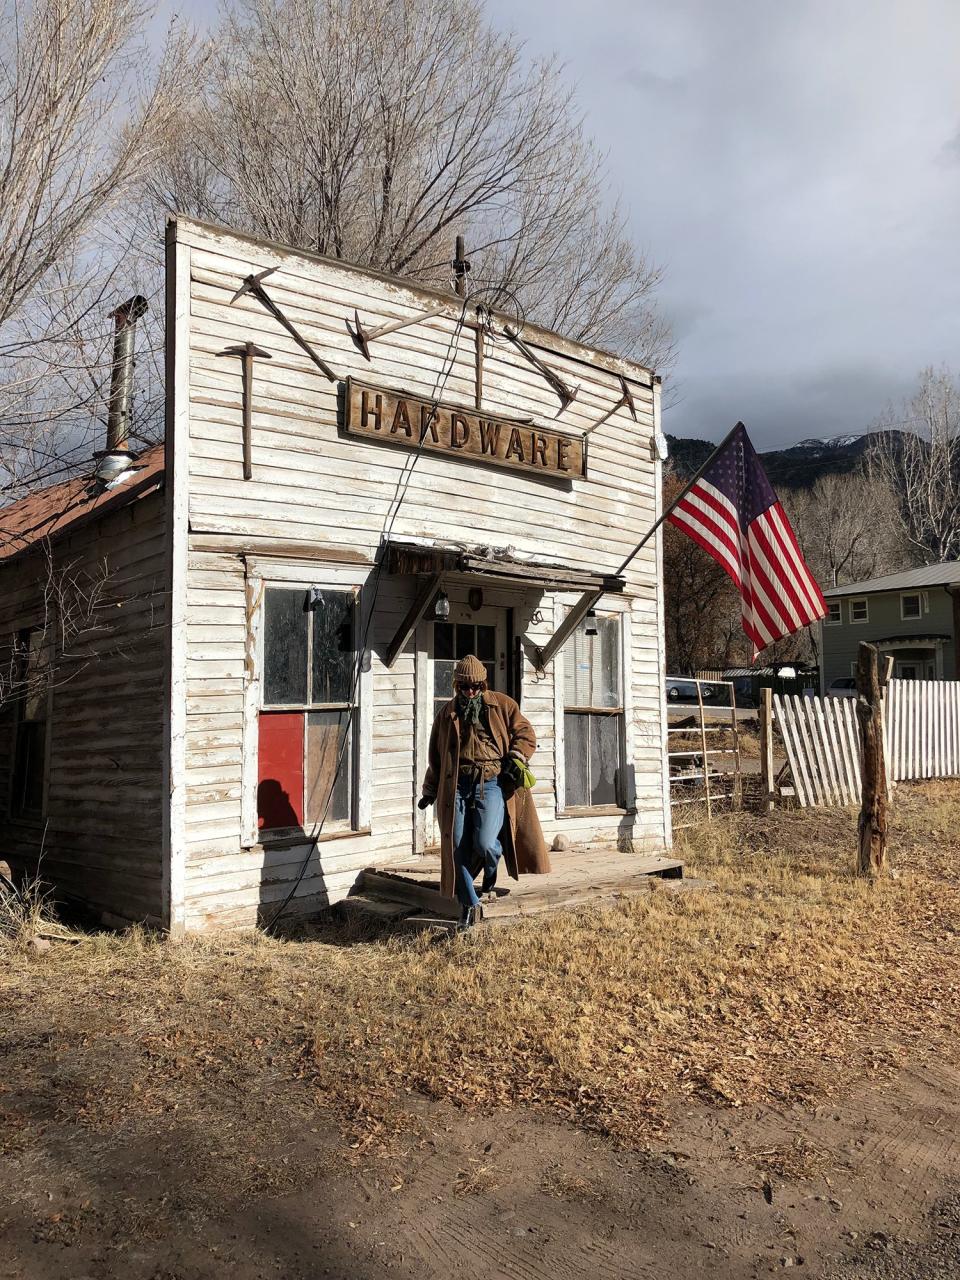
[518, 771]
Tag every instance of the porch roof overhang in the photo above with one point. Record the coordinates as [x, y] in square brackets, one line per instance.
[492, 565]
[495, 565]
[912, 642]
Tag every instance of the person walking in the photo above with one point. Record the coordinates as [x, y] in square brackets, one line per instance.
[479, 740]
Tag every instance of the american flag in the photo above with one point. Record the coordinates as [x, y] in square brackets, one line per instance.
[732, 511]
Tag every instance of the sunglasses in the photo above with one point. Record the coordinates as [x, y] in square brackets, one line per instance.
[471, 684]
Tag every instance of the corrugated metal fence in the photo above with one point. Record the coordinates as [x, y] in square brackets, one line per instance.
[821, 738]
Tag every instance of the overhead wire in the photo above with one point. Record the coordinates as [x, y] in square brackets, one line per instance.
[367, 601]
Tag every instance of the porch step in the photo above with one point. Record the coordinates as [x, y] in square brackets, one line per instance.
[385, 884]
[576, 882]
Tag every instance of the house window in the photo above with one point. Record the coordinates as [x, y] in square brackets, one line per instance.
[30, 719]
[858, 610]
[593, 719]
[307, 722]
[834, 614]
[911, 605]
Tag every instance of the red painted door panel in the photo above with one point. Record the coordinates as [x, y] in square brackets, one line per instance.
[280, 775]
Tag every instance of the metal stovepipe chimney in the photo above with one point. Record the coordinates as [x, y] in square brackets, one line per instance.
[121, 378]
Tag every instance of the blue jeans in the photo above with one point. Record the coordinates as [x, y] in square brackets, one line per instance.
[477, 820]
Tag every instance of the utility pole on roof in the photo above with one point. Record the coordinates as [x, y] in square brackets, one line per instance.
[460, 268]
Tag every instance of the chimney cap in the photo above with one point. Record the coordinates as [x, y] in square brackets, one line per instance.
[131, 310]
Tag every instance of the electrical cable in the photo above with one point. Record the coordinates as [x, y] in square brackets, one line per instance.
[400, 492]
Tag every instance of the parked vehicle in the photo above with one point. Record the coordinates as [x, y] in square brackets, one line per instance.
[844, 687]
[682, 689]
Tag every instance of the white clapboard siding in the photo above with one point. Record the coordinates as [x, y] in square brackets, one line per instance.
[331, 495]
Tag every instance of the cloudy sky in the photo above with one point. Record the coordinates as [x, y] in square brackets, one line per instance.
[795, 167]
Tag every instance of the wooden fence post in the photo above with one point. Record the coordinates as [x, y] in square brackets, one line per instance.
[766, 745]
[872, 828]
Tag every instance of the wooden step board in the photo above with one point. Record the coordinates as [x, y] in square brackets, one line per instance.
[574, 883]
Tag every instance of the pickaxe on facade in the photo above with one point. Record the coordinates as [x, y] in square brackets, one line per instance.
[625, 399]
[363, 337]
[254, 285]
[567, 396]
[248, 352]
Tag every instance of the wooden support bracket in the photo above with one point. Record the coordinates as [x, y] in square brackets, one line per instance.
[566, 629]
[428, 590]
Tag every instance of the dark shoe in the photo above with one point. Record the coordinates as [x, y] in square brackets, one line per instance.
[469, 917]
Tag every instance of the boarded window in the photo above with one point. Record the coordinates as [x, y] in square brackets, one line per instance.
[593, 714]
[306, 739]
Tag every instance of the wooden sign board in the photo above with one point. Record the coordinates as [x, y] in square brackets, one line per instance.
[397, 417]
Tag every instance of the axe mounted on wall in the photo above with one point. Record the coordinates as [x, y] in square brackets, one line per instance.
[248, 352]
[254, 285]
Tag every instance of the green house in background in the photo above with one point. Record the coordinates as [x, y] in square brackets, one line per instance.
[914, 616]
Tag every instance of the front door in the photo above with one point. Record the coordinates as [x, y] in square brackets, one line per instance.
[482, 632]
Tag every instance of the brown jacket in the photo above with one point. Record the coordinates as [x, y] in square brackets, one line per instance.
[524, 849]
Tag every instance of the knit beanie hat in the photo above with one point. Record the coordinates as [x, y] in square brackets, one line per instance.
[470, 670]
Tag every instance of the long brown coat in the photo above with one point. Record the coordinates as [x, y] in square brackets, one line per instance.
[524, 849]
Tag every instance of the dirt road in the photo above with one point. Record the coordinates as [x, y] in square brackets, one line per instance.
[860, 1188]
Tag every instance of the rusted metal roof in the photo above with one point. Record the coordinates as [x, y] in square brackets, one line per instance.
[53, 511]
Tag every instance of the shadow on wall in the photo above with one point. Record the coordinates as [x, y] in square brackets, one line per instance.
[285, 846]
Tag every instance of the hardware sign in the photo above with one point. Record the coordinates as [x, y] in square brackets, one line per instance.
[397, 417]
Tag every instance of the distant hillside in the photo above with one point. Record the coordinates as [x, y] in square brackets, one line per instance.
[798, 467]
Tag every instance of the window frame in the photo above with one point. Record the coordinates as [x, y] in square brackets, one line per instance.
[911, 595]
[19, 640]
[865, 601]
[627, 799]
[838, 620]
[301, 576]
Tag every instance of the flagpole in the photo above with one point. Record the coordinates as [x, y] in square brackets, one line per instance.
[590, 599]
[678, 499]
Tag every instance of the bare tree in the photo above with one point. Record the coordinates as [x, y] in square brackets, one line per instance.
[373, 132]
[917, 453]
[83, 117]
[848, 527]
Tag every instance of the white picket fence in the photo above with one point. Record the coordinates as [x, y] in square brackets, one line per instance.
[821, 736]
[922, 729]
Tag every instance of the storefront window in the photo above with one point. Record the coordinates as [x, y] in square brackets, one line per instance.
[306, 725]
[593, 714]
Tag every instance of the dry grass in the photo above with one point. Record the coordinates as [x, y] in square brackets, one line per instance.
[785, 982]
[27, 913]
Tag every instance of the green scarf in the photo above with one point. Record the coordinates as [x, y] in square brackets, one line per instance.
[470, 708]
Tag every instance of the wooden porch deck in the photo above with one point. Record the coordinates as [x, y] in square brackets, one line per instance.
[410, 891]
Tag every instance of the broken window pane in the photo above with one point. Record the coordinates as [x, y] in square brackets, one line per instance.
[333, 645]
[284, 647]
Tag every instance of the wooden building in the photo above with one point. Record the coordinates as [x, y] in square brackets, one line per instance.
[393, 478]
